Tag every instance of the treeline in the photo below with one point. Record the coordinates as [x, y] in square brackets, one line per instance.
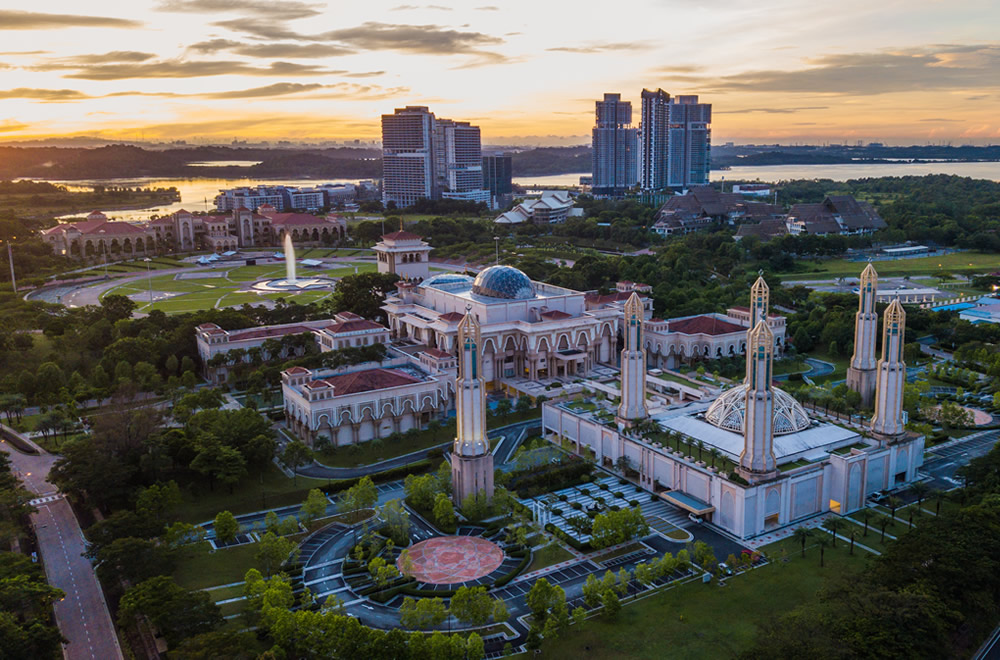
[933, 593]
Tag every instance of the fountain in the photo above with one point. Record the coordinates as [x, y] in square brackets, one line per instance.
[291, 282]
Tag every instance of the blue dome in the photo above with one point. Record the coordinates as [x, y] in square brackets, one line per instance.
[503, 282]
[447, 280]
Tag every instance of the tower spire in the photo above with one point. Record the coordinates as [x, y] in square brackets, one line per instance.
[471, 460]
[633, 403]
[757, 460]
[760, 295]
[891, 375]
[861, 374]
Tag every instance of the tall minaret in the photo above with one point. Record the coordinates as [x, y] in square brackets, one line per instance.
[888, 420]
[861, 374]
[633, 404]
[471, 460]
[760, 296]
[757, 460]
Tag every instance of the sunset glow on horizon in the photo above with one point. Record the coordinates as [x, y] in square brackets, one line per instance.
[527, 72]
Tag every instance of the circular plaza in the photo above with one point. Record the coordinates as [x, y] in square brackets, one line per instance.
[451, 559]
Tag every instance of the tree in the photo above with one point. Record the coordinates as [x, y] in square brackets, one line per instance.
[423, 613]
[473, 606]
[853, 535]
[579, 615]
[822, 541]
[643, 574]
[624, 577]
[613, 527]
[622, 464]
[159, 501]
[176, 612]
[523, 404]
[866, 516]
[476, 506]
[547, 600]
[444, 512]
[219, 463]
[314, 507]
[802, 534]
[362, 495]
[834, 525]
[382, 572]
[226, 527]
[894, 503]
[229, 644]
[274, 550]
[397, 521]
[920, 490]
[500, 613]
[421, 490]
[296, 454]
[134, 559]
[612, 605]
[474, 647]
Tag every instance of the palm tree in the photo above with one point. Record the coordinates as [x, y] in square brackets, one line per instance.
[701, 448]
[893, 504]
[921, 490]
[866, 515]
[885, 522]
[833, 525]
[939, 496]
[854, 535]
[802, 534]
[715, 454]
[822, 542]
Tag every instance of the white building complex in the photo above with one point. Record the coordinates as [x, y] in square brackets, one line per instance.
[787, 466]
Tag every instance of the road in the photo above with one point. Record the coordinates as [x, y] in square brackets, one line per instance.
[947, 459]
[82, 615]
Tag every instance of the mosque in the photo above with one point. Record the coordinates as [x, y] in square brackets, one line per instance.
[789, 466]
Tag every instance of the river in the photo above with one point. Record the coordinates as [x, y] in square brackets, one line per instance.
[197, 193]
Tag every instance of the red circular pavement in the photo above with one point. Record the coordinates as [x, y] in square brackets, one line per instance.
[452, 559]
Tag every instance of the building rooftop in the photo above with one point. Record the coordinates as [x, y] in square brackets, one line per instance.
[369, 380]
[704, 325]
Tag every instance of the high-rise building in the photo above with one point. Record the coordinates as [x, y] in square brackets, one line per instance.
[654, 139]
[407, 155]
[690, 140]
[497, 178]
[615, 147]
[425, 157]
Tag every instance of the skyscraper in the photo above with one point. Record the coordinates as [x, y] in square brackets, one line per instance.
[690, 140]
[497, 178]
[654, 138]
[615, 145]
[426, 157]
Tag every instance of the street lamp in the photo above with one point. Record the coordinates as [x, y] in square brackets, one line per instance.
[149, 279]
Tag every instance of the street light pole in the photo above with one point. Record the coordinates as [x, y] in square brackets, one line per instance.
[10, 259]
[149, 279]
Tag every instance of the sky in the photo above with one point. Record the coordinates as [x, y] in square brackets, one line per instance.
[526, 71]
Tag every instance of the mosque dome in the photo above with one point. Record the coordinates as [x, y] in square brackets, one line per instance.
[447, 281]
[727, 412]
[504, 282]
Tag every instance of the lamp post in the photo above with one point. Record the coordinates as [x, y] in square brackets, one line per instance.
[10, 260]
[149, 280]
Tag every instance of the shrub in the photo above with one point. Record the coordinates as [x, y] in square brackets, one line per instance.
[563, 498]
[615, 507]
[604, 487]
[633, 503]
[620, 495]
[576, 505]
[585, 491]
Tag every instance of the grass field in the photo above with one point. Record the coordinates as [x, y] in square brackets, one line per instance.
[551, 554]
[961, 262]
[201, 569]
[381, 450]
[225, 291]
[698, 620]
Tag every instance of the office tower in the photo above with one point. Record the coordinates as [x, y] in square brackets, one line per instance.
[427, 157]
[407, 155]
[615, 144]
[654, 139]
[497, 177]
[458, 156]
[690, 141]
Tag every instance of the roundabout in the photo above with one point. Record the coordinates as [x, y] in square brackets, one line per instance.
[452, 559]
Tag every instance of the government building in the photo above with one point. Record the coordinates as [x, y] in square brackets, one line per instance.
[787, 466]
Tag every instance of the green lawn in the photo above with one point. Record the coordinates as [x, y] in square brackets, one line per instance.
[551, 554]
[375, 451]
[961, 262]
[254, 493]
[699, 620]
[202, 569]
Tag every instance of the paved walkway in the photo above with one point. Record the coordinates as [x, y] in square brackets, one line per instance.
[82, 615]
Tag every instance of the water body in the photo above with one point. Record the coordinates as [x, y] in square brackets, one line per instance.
[197, 193]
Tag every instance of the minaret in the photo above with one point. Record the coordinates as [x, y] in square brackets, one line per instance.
[760, 296]
[471, 460]
[888, 420]
[861, 374]
[757, 460]
[633, 404]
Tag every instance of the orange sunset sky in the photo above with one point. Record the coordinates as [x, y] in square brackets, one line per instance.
[528, 72]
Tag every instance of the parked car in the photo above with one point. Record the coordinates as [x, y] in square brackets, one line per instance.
[724, 569]
[693, 518]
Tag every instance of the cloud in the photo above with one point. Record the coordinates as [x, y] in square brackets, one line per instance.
[679, 68]
[593, 48]
[214, 45]
[336, 90]
[263, 28]
[185, 69]
[412, 7]
[293, 51]
[283, 10]
[488, 8]
[43, 94]
[11, 19]
[113, 56]
[9, 126]
[943, 119]
[920, 69]
[16, 53]
[426, 39]
[770, 111]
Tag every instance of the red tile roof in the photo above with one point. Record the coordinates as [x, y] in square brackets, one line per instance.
[297, 370]
[349, 316]
[704, 325]
[556, 315]
[369, 380]
[296, 219]
[452, 317]
[353, 326]
[98, 227]
[437, 352]
[402, 236]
